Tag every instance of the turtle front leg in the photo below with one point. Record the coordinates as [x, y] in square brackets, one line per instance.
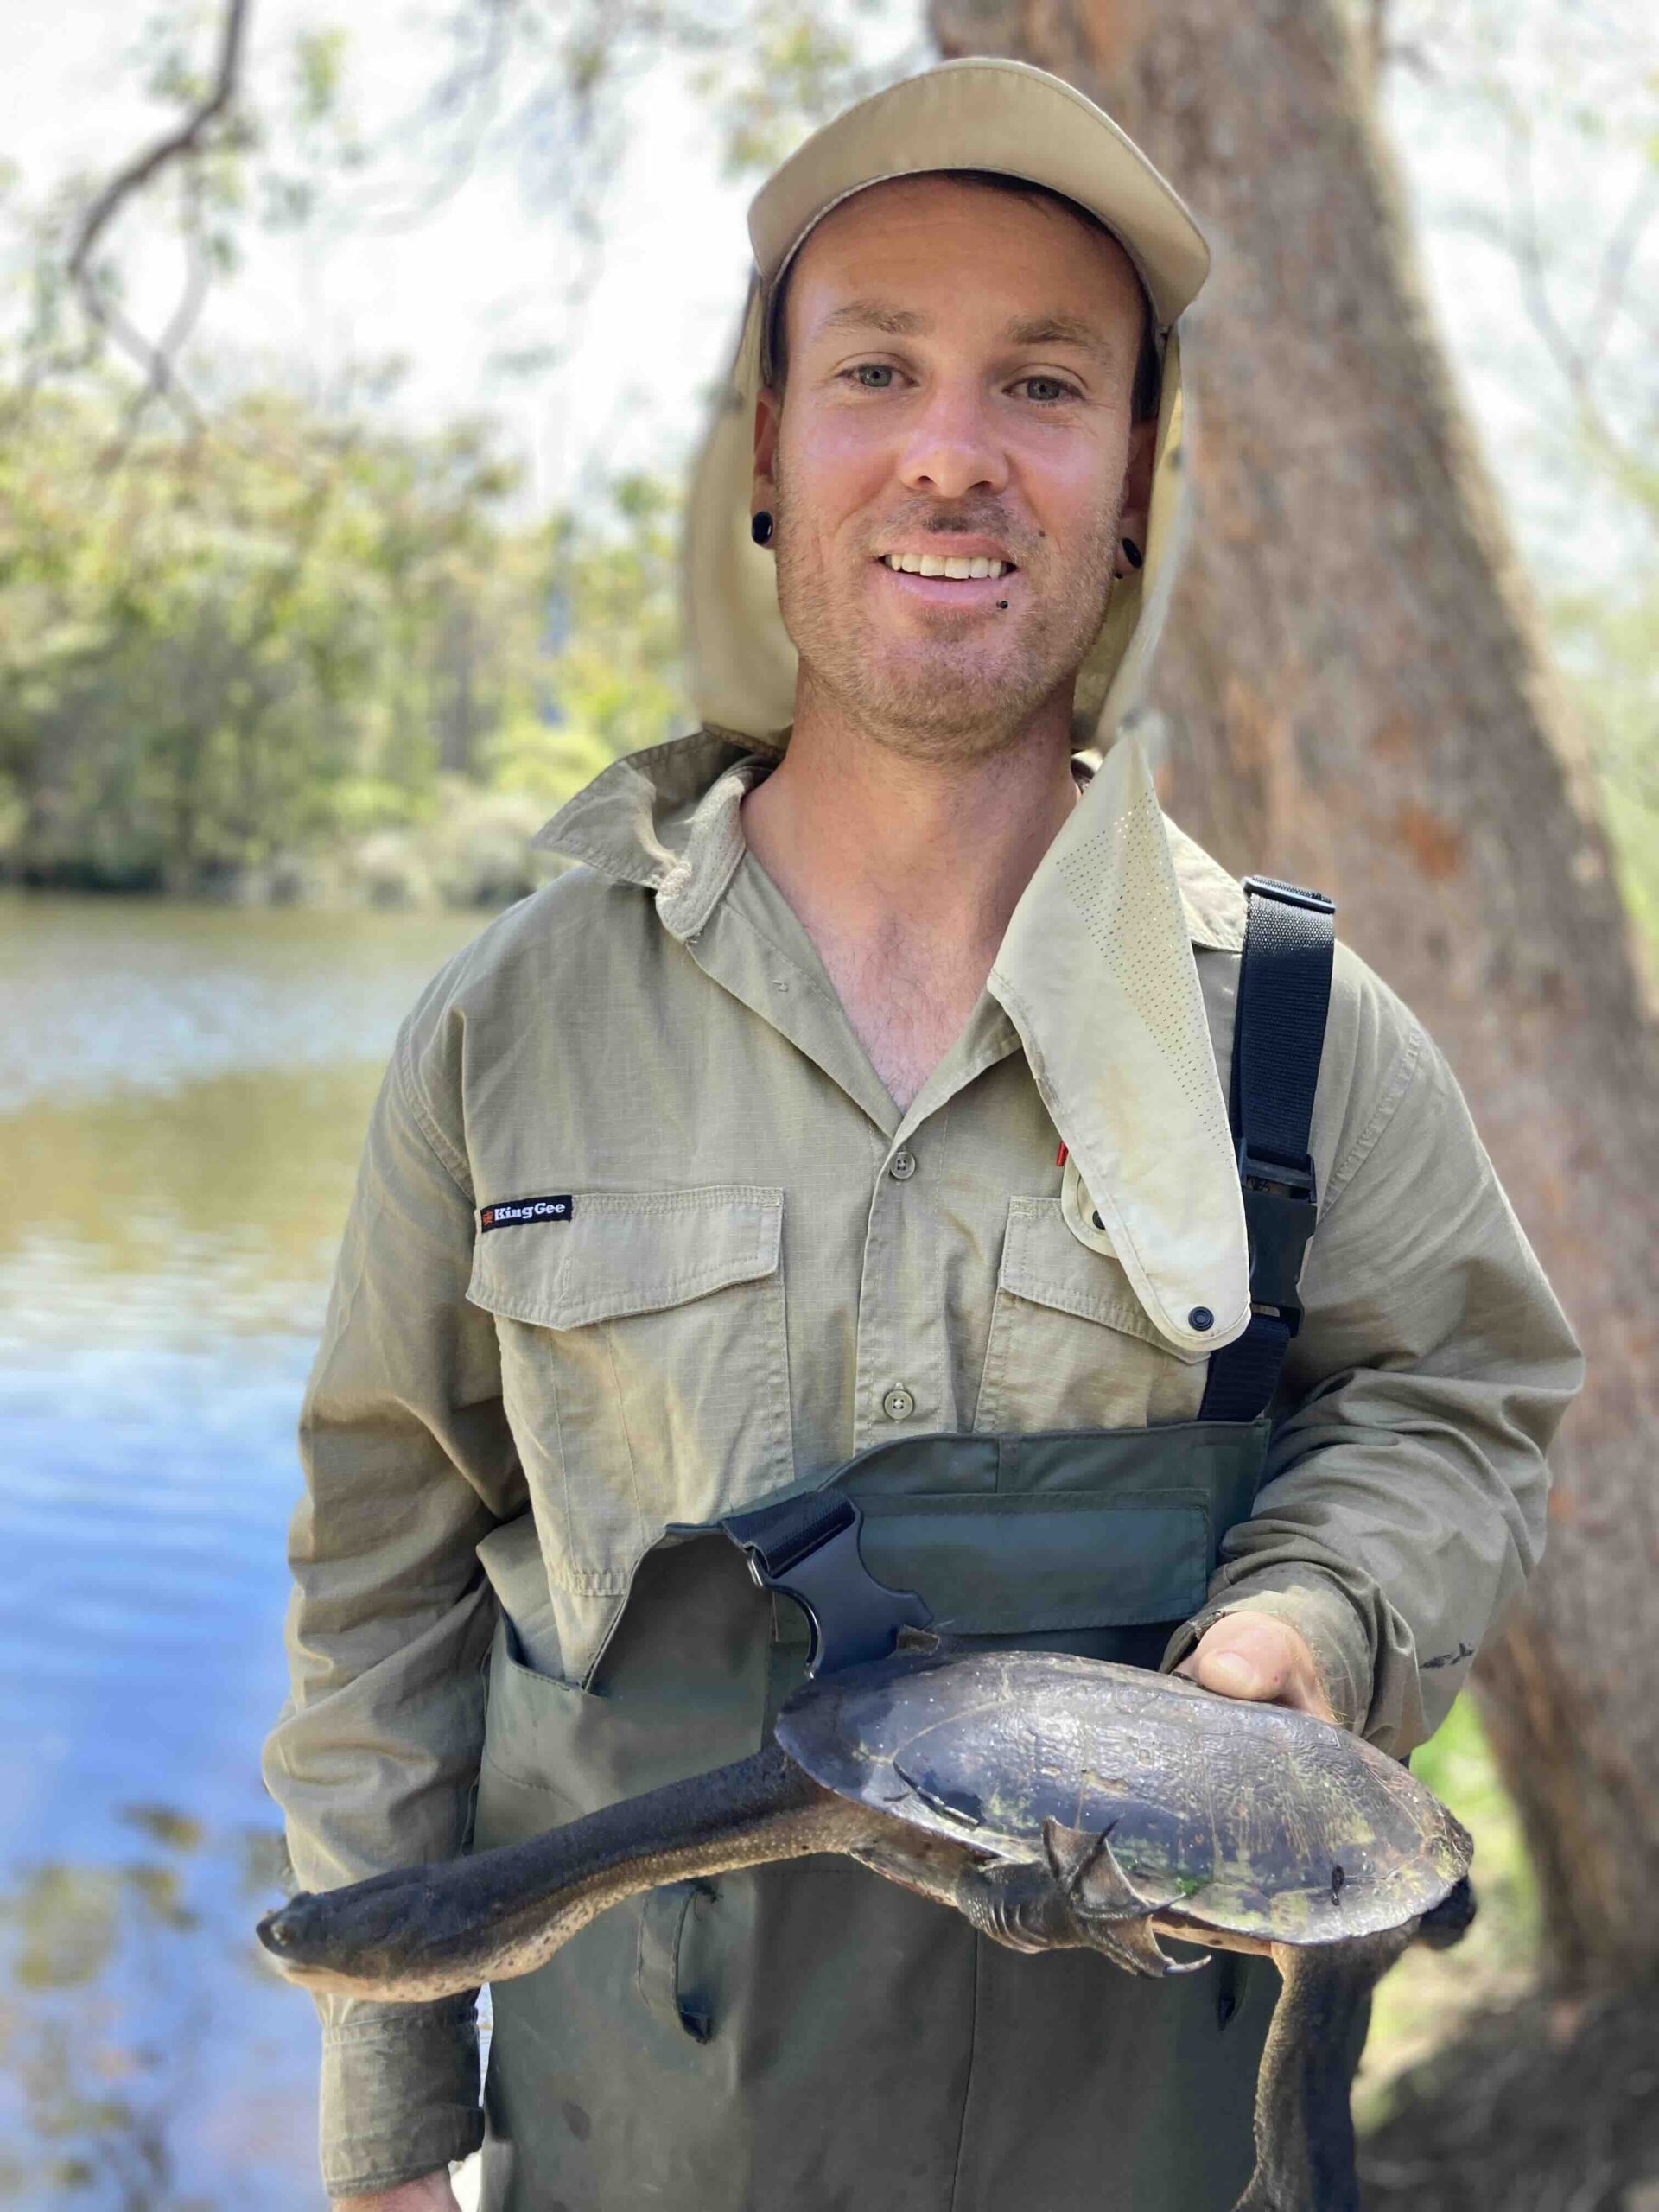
[1303, 2123]
[986, 1893]
[1110, 1914]
[1014, 1904]
[1076, 1898]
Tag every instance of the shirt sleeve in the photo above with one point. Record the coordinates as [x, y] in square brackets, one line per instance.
[1402, 1503]
[408, 1463]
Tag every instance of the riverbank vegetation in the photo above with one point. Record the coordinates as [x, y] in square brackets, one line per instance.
[305, 657]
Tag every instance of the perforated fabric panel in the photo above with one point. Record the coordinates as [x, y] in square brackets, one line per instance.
[1152, 964]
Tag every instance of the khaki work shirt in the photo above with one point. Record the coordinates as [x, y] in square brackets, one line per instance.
[761, 1267]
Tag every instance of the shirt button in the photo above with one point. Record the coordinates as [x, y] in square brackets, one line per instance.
[902, 1167]
[898, 1405]
[1200, 1319]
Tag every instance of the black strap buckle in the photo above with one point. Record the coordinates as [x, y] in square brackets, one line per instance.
[809, 1548]
[1290, 894]
[1280, 1210]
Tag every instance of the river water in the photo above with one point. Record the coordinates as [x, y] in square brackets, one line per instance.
[182, 1094]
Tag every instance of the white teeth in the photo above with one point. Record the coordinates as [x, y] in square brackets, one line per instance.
[931, 564]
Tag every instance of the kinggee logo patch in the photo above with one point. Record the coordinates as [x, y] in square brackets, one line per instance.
[509, 1213]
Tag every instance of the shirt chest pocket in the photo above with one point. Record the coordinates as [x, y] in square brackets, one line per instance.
[1070, 1346]
[645, 1366]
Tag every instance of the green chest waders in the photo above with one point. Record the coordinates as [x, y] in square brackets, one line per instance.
[808, 2038]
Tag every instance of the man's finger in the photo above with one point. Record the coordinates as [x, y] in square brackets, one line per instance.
[1258, 1658]
[1236, 1675]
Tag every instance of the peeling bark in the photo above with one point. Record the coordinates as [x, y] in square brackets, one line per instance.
[1355, 693]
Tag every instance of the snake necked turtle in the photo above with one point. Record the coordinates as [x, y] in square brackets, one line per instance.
[1054, 1800]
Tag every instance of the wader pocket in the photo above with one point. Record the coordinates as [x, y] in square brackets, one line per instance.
[1012, 1564]
[585, 1751]
[668, 1983]
[1070, 1346]
[645, 1376]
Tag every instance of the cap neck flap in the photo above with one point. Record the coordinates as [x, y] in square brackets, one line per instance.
[1097, 973]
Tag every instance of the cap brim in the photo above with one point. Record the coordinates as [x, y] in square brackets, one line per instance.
[986, 114]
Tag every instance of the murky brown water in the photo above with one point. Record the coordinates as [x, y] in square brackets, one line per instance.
[182, 1094]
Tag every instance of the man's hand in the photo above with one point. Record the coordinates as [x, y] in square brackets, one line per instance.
[431, 2193]
[1254, 1656]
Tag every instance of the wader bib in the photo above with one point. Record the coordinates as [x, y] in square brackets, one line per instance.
[807, 2037]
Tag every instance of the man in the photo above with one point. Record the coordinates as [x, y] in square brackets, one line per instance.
[862, 1091]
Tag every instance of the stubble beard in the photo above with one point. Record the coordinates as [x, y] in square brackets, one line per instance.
[937, 699]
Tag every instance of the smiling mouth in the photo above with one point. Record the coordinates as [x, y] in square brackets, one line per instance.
[956, 568]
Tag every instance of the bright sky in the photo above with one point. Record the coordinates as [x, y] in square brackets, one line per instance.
[487, 276]
[495, 271]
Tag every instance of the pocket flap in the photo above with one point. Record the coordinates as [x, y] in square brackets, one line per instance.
[1044, 1262]
[627, 1252]
[1009, 1565]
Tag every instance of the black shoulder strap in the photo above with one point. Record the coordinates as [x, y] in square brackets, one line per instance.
[1284, 993]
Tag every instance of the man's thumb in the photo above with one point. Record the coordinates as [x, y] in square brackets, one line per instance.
[1231, 1673]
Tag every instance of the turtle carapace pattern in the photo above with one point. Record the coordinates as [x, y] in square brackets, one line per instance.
[1254, 1820]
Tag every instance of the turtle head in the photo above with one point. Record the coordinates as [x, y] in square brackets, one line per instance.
[356, 1941]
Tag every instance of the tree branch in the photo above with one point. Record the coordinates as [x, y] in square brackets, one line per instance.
[183, 143]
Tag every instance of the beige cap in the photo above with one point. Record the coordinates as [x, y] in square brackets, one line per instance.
[988, 115]
[972, 114]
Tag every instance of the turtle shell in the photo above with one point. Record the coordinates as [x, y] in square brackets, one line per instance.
[1240, 1817]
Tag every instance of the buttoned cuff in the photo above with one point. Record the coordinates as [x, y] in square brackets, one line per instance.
[1323, 1615]
[400, 2093]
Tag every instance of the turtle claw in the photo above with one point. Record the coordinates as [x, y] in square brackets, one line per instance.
[1112, 1914]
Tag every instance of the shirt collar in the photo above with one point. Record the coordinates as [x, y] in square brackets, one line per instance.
[1096, 972]
[666, 819]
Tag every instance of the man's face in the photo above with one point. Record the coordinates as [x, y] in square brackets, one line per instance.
[960, 366]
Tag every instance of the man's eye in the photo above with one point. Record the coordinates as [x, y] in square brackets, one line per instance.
[1050, 389]
[871, 376]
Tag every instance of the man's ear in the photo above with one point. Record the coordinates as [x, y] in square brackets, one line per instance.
[768, 414]
[1137, 490]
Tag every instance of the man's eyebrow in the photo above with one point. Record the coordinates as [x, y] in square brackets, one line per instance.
[1030, 330]
[1063, 330]
[875, 315]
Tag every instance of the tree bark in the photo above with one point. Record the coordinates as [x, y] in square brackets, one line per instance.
[1355, 693]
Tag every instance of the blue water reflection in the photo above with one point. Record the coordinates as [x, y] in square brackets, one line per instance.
[181, 1109]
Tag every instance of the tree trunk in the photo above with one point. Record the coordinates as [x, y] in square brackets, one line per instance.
[1355, 694]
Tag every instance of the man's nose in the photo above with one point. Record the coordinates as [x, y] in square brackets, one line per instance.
[952, 448]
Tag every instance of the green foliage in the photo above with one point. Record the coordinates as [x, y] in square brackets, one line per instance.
[218, 653]
[1457, 1764]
